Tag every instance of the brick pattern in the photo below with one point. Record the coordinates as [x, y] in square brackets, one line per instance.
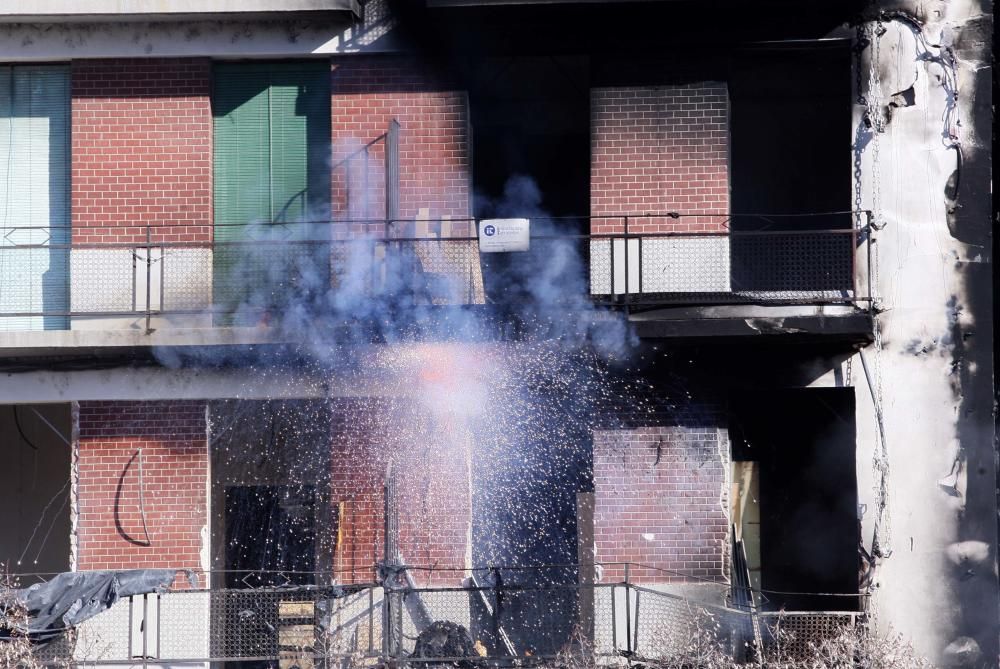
[172, 436]
[658, 149]
[432, 490]
[142, 150]
[434, 167]
[660, 496]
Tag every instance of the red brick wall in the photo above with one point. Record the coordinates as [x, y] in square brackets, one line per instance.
[142, 150]
[432, 488]
[665, 478]
[367, 93]
[172, 436]
[658, 149]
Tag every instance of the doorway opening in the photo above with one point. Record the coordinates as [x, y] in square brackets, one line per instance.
[794, 462]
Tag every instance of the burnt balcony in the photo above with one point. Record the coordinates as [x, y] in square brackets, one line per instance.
[116, 286]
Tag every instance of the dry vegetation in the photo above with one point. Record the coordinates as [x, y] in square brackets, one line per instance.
[856, 647]
[16, 650]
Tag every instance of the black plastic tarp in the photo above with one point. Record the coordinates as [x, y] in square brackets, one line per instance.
[72, 597]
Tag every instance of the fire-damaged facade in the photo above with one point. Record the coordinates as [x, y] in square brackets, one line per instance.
[487, 331]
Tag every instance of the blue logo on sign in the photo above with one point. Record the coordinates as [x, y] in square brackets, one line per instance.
[489, 231]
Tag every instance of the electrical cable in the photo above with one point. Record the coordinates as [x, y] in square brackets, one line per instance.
[52, 427]
[883, 500]
[20, 430]
[45, 510]
[52, 524]
[142, 502]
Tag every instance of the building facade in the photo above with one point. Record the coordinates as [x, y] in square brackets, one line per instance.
[249, 328]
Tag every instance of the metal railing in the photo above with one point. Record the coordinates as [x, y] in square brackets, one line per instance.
[489, 621]
[207, 276]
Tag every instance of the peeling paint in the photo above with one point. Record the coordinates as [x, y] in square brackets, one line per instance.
[933, 277]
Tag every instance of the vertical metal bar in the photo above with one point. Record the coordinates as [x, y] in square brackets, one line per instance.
[871, 232]
[364, 180]
[626, 264]
[349, 187]
[853, 240]
[397, 630]
[163, 255]
[385, 512]
[134, 268]
[131, 625]
[159, 609]
[371, 620]
[497, 604]
[385, 621]
[145, 630]
[149, 274]
[640, 265]
[392, 171]
[614, 620]
[628, 614]
[635, 631]
[388, 624]
[611, 247]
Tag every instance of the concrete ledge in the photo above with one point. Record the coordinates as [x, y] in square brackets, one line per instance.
[28, 343]
[836, 323]
[124, 10]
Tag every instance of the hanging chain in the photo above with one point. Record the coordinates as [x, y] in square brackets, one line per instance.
[876, 120]
[876, 115]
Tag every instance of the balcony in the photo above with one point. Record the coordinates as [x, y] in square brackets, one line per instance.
[175, 285]
[530, 623]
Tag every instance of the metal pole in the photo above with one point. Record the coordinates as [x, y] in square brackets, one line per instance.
[628, 613]
[497, 604]
[871, 232]
[149, 274]
[131, 625]
[365, 182]
[392, 171]
[385, 621]
[145, 630]
[371, 620]
[640, 267]
[625, 218]
[635, 631]
[614, 621]
[611, 278]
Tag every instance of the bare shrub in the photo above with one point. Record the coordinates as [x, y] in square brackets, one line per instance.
[708, 647]
[864, 648]
[16, 649]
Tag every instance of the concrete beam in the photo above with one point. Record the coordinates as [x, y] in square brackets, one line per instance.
[157, 383]
[852, 327]
[124, 10]
[244, 36]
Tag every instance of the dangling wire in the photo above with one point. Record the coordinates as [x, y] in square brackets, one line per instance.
[868, 36]
[20, 430]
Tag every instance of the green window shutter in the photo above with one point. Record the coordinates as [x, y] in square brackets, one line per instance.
[271, 173]
[34, 195]
[242, 152]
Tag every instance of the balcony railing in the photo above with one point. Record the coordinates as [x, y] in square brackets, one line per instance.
[487, 624]
[172, 275]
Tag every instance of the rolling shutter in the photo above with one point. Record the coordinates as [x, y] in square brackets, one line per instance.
[271, 174]
[34, 196]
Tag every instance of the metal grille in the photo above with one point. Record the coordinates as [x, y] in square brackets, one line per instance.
[265, 272]
[797, 264]
[793, 635]
[307, 624]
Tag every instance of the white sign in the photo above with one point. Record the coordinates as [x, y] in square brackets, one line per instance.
[499, 235]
